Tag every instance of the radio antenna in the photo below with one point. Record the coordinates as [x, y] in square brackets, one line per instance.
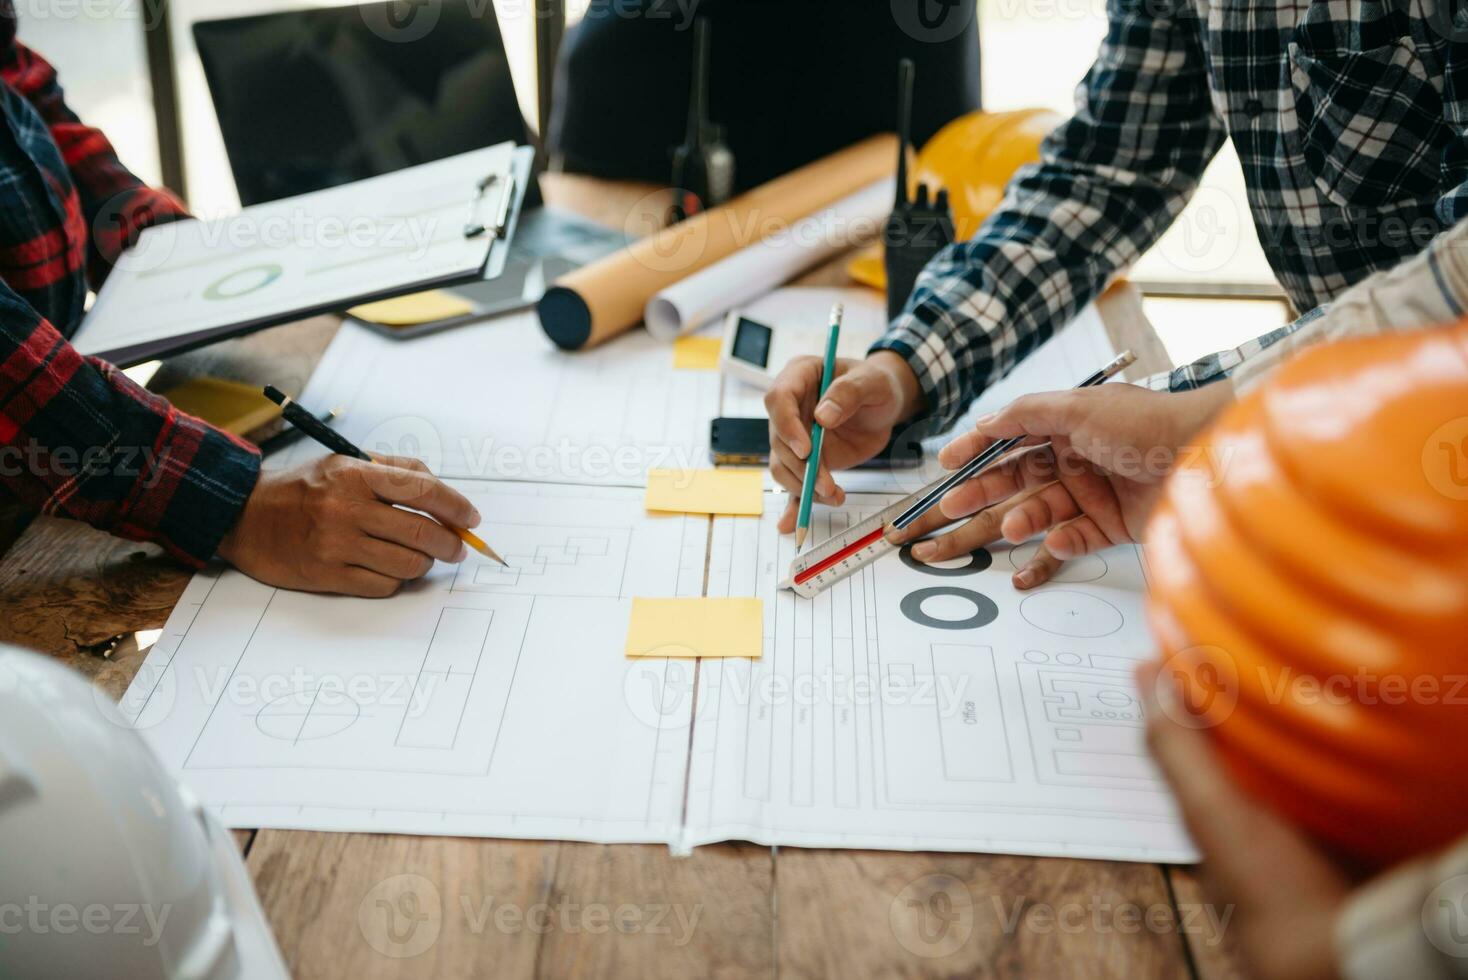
[905, 74]
[698, 98]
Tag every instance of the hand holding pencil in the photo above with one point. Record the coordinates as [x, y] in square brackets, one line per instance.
[858, 413]
[348, 525]
[337, 443]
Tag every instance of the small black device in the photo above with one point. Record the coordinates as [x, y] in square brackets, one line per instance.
[753, 341]
[746, 442]
[917, 229]
[703, 166]
[739, 442]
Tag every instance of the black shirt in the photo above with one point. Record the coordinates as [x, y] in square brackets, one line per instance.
[791, 80]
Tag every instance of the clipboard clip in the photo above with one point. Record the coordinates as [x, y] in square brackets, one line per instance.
[474, 228]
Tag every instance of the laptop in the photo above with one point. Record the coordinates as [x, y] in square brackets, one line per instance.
[310, 99]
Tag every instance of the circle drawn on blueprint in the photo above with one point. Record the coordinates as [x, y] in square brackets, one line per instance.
[1087, 568]
[307, 714]
[984, 611]
[978, 560]
[1067, 613]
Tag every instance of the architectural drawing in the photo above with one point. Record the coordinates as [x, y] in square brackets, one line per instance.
[928, 707]
[521, 409]
[1084, 719]
[910, 706]
[552, 560]
[287, 709]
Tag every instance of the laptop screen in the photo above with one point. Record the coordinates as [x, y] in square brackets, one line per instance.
[315, 98]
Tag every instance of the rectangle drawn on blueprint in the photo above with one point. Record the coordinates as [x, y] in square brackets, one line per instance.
[479, 700]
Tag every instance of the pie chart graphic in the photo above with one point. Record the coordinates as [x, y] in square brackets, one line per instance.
[243, 282]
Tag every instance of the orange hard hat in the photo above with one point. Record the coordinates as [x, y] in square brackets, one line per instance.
[1309, 591]
[973, 158]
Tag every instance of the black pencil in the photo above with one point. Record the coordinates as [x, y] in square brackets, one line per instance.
[291, 435]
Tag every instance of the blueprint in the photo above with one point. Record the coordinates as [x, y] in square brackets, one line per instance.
[481, 700]
[908, 707]
[930, 707]
[496, 400]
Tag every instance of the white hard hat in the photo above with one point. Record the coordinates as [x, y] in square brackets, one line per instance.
[107, 866]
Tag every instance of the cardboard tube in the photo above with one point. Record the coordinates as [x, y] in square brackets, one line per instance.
[601, 300]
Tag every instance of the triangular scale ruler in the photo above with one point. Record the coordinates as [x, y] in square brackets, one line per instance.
[847, 553]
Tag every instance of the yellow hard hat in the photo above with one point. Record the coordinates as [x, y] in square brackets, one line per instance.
[973, 158]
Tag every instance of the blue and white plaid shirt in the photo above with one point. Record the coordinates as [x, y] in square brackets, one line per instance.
[1348, 119]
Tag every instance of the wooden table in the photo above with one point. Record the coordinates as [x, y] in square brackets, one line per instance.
[350, 904]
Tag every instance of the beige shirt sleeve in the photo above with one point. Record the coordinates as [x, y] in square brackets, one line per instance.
[1427, 290]
[1411, 923]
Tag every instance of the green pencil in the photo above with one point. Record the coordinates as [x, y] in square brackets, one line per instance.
[813, 464]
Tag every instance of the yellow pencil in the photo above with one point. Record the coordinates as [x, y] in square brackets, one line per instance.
[473, 541]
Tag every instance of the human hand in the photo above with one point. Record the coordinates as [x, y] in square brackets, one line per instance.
[1088, 473]
[862, 406]
[1279, 892]
[338, 525]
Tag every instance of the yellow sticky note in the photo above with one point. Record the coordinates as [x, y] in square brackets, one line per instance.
[697, 353]
[413, 309]
[230, 405]
[696, 628]
[732, 492]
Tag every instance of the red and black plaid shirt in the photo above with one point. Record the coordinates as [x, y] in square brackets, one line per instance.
[77, 438]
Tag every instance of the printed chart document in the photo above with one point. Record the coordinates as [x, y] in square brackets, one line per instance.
[917, 707]
[187, 283]
[497, 400]
[482, 700]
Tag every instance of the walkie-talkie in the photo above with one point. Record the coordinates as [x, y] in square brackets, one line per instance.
[917, 229]
[703, 167]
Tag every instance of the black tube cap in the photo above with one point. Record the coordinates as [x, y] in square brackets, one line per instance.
[565, 317]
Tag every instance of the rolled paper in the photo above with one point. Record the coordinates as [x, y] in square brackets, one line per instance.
[608, 297]
[773, 261]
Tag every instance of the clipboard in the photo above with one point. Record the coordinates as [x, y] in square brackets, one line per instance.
[190, 283]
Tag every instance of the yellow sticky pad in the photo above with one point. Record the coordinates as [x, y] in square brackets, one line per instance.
[697, 353]
[413, 309]
[696, 628]
[228, 405]
[738, 493]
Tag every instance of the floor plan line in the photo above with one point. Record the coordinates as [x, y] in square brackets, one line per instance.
[223, 690]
